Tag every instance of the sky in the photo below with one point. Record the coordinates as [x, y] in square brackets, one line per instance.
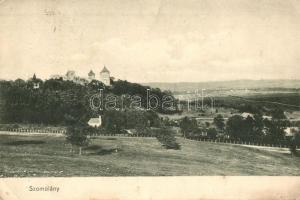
[151, 40]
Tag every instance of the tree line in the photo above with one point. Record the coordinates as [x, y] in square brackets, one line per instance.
[265, 130]
[61, 102]
[255, 128]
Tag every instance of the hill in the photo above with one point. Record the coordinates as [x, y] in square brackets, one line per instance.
[29, 156]
[226, 85]
[60, 102]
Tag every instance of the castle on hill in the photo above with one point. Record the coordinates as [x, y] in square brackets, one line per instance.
[104, 77]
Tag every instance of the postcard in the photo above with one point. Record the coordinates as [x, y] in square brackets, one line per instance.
[159, 99]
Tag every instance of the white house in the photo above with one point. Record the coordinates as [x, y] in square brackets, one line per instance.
[95, 122]
[245, 115]
[267, 117]
[290, 131]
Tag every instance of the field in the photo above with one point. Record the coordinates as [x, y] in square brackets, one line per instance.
[30, 156]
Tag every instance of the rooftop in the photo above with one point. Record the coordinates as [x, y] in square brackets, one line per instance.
[94, 120]
[91, 73]
[104, 70]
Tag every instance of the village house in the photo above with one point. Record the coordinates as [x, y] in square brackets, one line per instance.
[95, 122]
[246, 114]
[290, 131]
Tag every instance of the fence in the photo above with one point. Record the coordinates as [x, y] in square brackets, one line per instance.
[29, 130]
[284, 144]
[122, 135]
[24, 130]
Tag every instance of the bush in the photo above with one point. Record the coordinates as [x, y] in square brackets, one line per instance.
[295, 141]
[212, 133]
[167, 138]
[78, 136]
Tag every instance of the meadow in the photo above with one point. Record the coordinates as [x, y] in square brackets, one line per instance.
[48, 156]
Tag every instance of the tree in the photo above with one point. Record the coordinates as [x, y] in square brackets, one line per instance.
[166, 121]
[62, 102]
[247, 128]
[54, 102]
[121, 87]
[167, 138]
[77, 136]
[153, 118]
[295, 141]
[276, 126]
[212, 133]
[219, 122]
[258, 126]
[207, 124]
[114, 121]
[187, 126]
[196, 132]
[234, 125]
[96, 85]
[277, 114]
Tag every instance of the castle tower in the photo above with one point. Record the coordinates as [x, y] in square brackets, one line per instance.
[105, 76]
[91, 75]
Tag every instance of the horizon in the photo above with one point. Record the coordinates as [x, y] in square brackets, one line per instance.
[161, 82]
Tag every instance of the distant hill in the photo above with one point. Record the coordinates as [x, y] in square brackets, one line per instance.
[226, 85]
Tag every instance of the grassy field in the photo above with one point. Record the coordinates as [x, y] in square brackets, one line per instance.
[29, 156]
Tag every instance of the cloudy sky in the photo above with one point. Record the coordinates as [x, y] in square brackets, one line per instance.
[151, 40]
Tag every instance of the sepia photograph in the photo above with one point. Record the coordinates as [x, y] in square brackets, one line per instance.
[159, 88]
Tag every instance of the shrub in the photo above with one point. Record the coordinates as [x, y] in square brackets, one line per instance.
[212, 133]
[295, 141]
[78, 136]
[167, 138]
